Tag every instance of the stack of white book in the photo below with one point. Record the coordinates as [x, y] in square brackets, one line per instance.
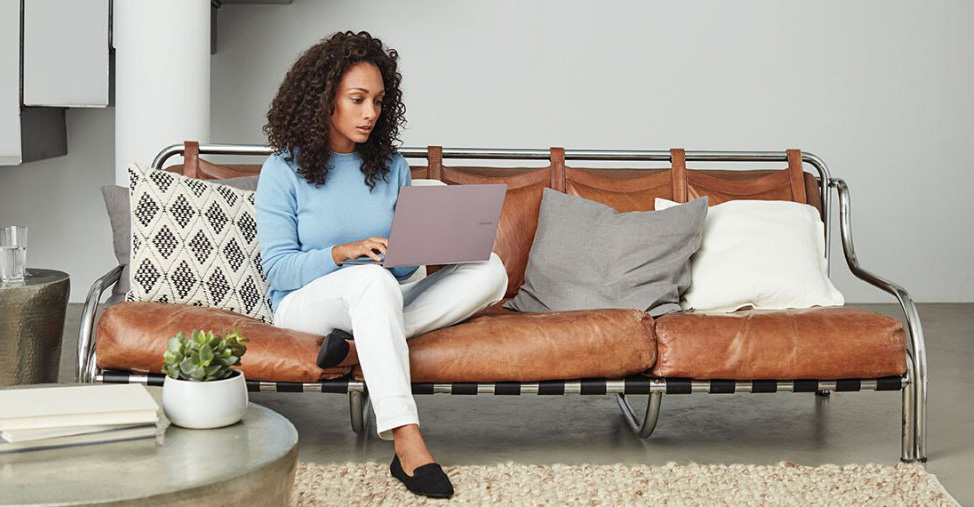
[46, 417]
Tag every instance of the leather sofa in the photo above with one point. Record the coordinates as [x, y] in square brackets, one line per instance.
[606, 351]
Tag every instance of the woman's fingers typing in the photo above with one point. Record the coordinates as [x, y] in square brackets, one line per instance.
[374, 245]
[367, 248]
[380, 245]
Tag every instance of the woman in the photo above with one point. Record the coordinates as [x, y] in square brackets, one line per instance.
[327, 195]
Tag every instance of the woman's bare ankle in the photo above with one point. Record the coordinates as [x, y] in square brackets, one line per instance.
[411, 448]
[408, 439]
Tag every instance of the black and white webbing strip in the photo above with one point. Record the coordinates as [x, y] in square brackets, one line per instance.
[636, 384]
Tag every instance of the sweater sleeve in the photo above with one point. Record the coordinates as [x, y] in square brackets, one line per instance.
[405, 179]
[285, 265]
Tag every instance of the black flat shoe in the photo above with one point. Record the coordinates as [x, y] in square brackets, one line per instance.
[334, 349]
[428, 479]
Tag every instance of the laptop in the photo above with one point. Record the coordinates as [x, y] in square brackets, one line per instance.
[449, 224]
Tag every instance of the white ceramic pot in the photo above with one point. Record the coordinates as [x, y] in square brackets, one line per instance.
[202, 405]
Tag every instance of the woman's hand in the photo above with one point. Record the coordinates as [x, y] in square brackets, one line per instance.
[341, 253]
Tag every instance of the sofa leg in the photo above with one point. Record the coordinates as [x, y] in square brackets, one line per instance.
[358, 407]
[918, 386]
[644, 428]
[908, 423]
[823, 394]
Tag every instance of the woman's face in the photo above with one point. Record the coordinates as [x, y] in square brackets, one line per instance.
[358, 104]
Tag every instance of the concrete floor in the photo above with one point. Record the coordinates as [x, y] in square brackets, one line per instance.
[739, 428]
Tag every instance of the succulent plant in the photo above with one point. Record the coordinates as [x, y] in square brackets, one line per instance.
[203, 356]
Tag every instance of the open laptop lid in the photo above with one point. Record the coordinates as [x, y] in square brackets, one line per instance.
[444, 224]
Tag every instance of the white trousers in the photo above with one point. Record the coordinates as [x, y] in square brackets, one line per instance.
[381, 314]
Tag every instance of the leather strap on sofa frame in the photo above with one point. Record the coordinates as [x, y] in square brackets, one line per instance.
[913, 384]
[632, 385]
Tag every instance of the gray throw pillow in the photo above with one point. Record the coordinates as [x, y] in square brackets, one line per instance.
[120, 216]
[587, 255]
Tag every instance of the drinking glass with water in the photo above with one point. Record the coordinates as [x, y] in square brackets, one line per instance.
[13, 253]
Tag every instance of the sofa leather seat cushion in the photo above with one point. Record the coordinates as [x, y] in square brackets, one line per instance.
[132, 336]
[498, 344]
[815, 343]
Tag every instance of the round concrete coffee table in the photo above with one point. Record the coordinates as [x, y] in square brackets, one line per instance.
[248, 463]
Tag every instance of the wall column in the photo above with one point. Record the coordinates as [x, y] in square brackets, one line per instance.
[162, 77]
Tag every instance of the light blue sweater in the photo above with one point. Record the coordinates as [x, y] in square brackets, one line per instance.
[298, 224]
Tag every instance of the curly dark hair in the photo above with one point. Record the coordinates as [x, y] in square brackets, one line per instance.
[300, 112]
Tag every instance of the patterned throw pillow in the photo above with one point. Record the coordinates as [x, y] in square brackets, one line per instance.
[195, 242]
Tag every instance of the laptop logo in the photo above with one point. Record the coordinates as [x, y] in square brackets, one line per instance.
[485, 223]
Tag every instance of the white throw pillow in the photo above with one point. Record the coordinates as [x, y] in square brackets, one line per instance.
[765, 254]
[422, 182]
[194, 242]
[420, 272]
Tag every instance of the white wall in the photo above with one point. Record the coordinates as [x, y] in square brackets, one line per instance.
[883, 91]
[59, 201]
[10, 147]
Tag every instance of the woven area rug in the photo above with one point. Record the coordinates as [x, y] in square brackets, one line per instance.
[671, 484]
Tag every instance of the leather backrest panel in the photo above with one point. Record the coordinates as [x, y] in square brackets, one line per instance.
[625, 189]
[519, 215]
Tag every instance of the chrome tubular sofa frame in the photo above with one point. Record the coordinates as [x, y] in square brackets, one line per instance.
[913, 385]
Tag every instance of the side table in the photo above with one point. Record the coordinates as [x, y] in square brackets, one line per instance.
[31, 325]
